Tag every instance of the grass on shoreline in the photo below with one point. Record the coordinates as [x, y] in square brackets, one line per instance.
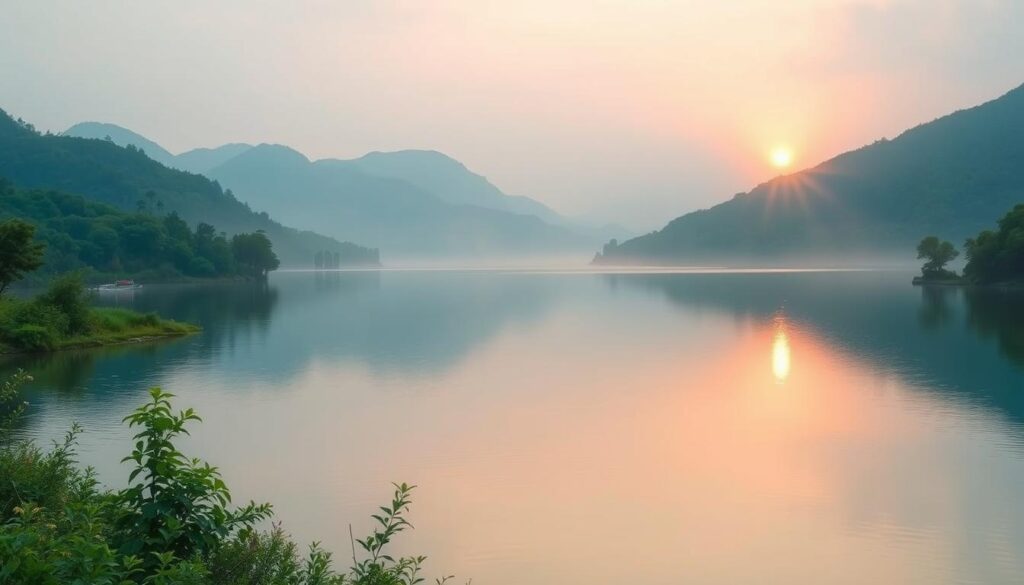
[106, 326]
[113, 326]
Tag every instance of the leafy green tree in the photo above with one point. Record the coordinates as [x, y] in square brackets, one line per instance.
[255, 252]
[19, 253]
[936, 254]
[997, 256]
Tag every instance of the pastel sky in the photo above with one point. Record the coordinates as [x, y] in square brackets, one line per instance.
[632, 111]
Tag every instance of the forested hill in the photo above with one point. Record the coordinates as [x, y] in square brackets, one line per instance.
[128, 179]
[951, 177]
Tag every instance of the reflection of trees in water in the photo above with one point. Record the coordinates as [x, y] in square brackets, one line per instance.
[999, 314]
[409, 322]
[935, 305]
[64, 371]
[250, 302]
[218, 308]
[69, 371]
[344, 281]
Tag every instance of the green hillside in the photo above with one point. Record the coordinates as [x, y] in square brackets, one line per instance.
[128, 179]
[954, 176]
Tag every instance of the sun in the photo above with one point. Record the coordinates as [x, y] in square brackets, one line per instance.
[781, 157]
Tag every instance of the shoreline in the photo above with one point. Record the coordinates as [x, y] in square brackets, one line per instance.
[960, 282]
[128, 338]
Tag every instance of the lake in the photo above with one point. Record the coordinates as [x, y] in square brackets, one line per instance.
[585, 427]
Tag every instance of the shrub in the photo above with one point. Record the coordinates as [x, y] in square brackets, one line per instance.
[148, 319]
[34, 338]
[256, 558]
[11, 404]
[180, 504]
[67, 295]
[172, 526]
[35, 313]
[50, 479]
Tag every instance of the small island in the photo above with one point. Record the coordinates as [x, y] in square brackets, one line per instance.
[936, 255]
[994, 258]
[61, 317]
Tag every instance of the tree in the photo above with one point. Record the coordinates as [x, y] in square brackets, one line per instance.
[255, 252]
[19, 253]
[998, 256]
[936, 255]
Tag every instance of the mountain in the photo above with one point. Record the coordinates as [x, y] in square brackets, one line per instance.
[201, 160]
[951, 177]
[403, 219]
[413, 204]
[129, 179]
[197, 160]
[121, 137]
[450, 181]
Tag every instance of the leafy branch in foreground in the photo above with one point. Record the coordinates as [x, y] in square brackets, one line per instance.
[172, 525]
[11, 405]
[180, 504]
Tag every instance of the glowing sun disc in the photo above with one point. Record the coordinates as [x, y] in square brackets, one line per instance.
[782, 157]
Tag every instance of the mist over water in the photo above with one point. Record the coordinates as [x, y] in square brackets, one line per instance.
[657, 426]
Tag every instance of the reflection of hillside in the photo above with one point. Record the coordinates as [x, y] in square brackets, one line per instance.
[69, 371]
[404, 322]
[921, 333]
[998, 314]
[395, 322]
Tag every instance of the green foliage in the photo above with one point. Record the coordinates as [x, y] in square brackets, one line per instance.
[936, 255]
[255, 253]
[172, 525]
[19, 253]
[379, 568]
[61, 317]
[180, 504]
[11, 406]
[254, 558]
[954, 175]
[42, 547]
[33, 337]
[123, 178]
[998, 256]
[67, 295]
[82, 234]
[47, 478]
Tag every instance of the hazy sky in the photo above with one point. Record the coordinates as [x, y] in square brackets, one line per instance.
[628, 110]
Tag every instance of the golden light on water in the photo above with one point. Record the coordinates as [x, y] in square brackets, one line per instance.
[781, 356]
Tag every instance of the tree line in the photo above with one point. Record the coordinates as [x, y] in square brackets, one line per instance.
[78, 233]
[327, 260]
[993, 256]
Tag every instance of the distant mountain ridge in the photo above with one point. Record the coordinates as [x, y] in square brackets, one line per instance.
[451, 181]
[126, 178]
[950, 177]
[121, 137]
[403, 219]
[410, 203]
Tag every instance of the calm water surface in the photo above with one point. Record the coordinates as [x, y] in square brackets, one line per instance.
[590, 428]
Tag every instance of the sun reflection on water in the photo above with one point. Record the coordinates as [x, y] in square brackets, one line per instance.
[781, 356]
